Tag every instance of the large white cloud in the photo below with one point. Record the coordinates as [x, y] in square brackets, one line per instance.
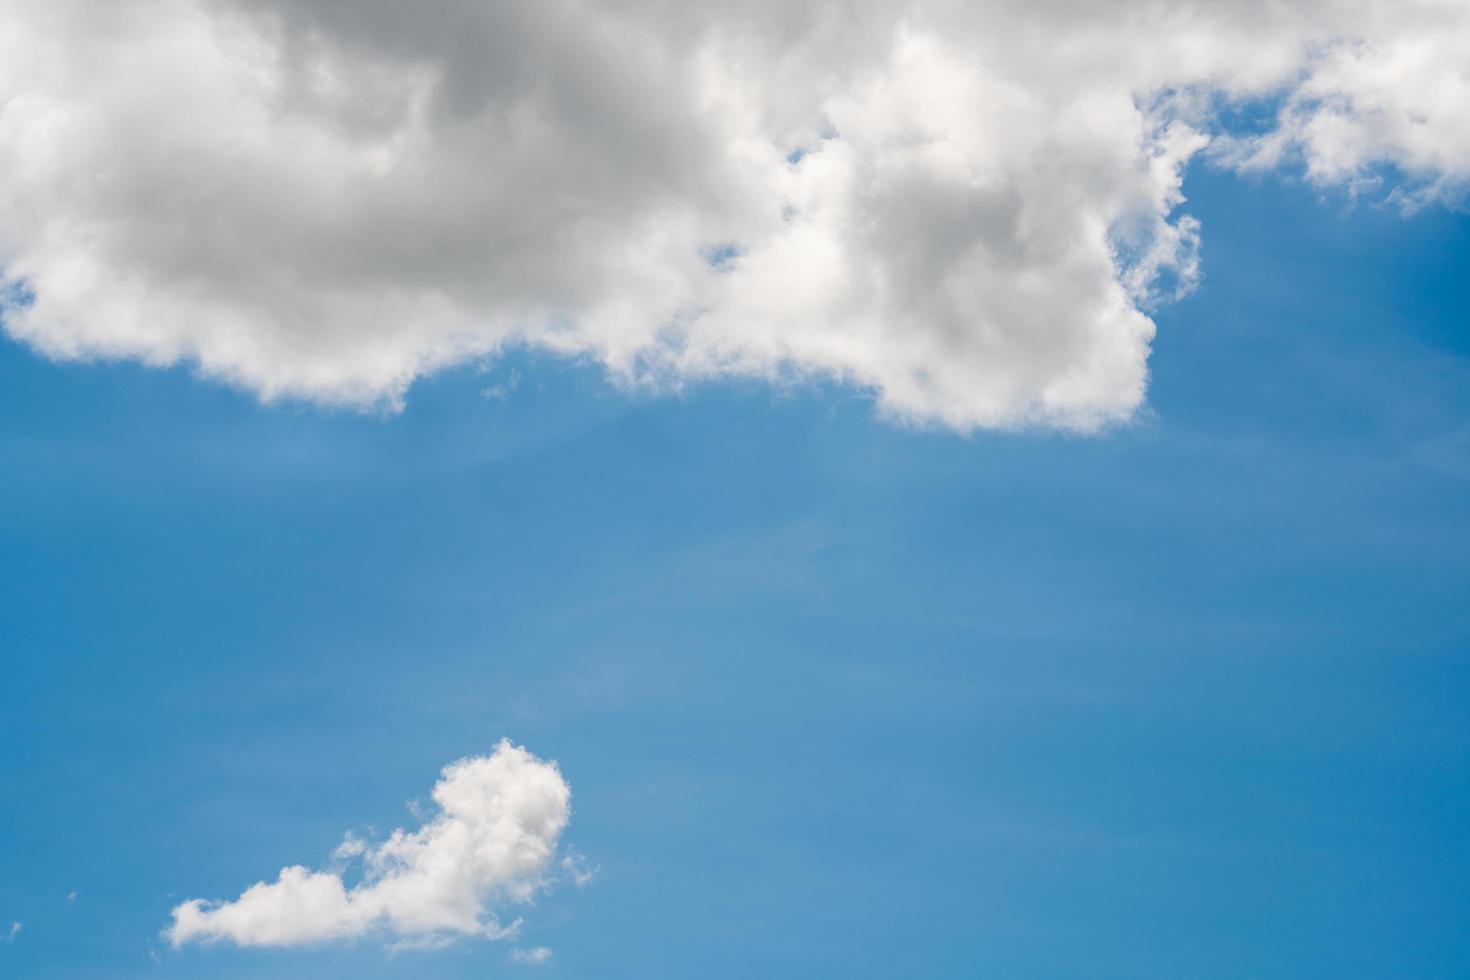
[496, 831]
[965, 208]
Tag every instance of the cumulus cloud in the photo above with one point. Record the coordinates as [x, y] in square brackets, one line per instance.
[491, 842]
[966, 209]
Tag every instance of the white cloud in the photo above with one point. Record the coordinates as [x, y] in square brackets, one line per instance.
[15, 928]
[966, 209]
[579, 869]
[1395, 96]
[491, 842]
[534, 956]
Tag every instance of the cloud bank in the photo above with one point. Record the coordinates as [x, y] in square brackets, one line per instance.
[965, 209]
[491, 842]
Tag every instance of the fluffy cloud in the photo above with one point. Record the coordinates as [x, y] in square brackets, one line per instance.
[495, 834]
[965, 209]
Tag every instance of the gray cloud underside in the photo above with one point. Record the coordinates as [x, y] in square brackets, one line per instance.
[965, 209]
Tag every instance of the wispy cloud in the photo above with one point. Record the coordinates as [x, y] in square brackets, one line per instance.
[534, 957]
[503, 389]
[579, 868]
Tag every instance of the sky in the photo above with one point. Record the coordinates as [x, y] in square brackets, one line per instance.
[1023, 559]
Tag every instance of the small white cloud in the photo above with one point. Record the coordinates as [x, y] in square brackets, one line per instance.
[504, 389]
[495, 833]
[351, 847]
[578, 868]
[536, 956]
[15, 928]
[71, 896]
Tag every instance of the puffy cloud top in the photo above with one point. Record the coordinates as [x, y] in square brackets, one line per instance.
[496, 831]
[965, 208]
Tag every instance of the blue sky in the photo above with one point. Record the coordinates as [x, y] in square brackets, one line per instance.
[835, 696]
